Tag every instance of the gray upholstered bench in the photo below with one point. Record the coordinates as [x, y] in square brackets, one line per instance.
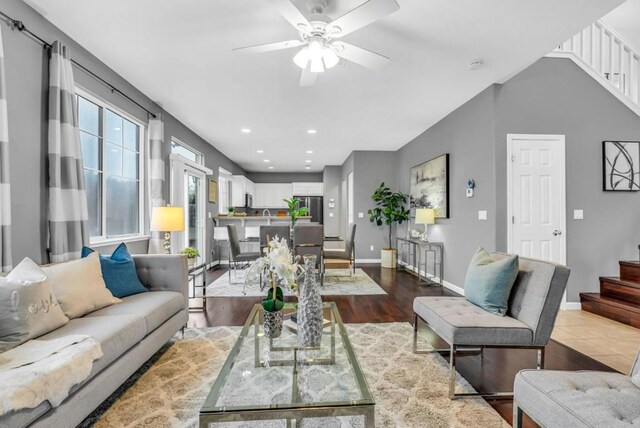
[577, 399]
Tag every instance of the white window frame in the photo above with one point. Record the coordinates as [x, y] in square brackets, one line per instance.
[179, 142]
[350, 198]
[142, 162]
[224, 178]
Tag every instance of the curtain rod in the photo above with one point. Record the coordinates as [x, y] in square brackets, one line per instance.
[19, 25]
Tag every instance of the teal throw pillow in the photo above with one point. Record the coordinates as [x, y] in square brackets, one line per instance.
[119, 272]
[489, 281]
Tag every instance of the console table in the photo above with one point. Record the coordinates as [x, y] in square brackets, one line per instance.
[415, 250]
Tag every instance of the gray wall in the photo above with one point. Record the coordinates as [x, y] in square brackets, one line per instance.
[26, 65]
[467, 135]
[332, 182]
[285, 177]
[554, 96]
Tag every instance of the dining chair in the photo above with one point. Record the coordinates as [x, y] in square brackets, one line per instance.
[273, 232]
[348, 254]
[309, 239]
[236, 255]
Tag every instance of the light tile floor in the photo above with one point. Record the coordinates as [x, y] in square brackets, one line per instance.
[605, 340]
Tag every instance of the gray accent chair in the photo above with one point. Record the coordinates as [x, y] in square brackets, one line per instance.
[349, 252]
[578, 399]
[309, 239]
[236, 255]
[533, 306]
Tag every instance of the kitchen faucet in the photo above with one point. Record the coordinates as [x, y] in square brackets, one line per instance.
[268, 213]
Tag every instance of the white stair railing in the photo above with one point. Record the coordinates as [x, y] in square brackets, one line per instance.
[608, 56]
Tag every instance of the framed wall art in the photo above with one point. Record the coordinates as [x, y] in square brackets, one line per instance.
[621, 166]
[430, 185]
[213, 191]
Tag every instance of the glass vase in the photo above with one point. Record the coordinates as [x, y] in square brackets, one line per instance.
[272, 324]
[310, 314]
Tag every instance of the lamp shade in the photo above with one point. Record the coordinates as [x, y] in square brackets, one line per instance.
[167, 219]
[425, 216]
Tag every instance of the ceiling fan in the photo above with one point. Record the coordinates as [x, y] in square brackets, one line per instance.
[319, 37]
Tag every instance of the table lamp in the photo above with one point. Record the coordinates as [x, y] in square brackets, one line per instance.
[167, 220]
[425, 216]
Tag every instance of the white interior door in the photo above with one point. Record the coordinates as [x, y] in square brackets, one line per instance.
[536, 196]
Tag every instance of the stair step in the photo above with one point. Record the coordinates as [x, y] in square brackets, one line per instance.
[609, 307]
[619, 289]
[630, 271]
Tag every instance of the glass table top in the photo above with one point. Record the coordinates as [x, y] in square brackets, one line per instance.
[262, 373]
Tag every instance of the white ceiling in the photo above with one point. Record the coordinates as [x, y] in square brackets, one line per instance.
[625, 20]
[178, 52]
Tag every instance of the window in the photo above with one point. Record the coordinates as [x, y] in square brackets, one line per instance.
[224, 185]
[180, 148]
[112, 159]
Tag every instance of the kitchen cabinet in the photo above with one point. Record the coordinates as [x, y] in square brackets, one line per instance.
[271, 195]
[307, 189]
[240, 186]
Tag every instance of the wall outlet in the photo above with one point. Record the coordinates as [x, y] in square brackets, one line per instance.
[482, 215]
[578, 214]
[360, 215]
[371, 248]
[209, 214]
[469, 193]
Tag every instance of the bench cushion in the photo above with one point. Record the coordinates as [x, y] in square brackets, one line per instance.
[462, 323]
[578, 399]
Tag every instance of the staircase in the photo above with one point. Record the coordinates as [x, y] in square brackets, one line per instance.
[619, 298]
[606, 57]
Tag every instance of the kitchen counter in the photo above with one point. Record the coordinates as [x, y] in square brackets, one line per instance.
[256, 220]
[260, 217]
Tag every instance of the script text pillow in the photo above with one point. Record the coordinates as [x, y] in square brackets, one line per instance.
[79, 286]
[28, 307]
[489, 281]
[119, 272]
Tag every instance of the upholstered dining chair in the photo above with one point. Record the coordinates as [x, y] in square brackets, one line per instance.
[271, 232]
[348, 254]
[235, 252]
[309, 239]
[533, 306]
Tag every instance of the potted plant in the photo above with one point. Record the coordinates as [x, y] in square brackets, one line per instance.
[191, 254]
[294, 210]
[390, 208]
[280, 268]
[231, 210]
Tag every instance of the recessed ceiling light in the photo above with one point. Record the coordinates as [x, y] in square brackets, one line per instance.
[309, 152]
[271, 167]
[245, 130]
[308, 161]
[259, 151]
[311, 131]
[266, 161]
[307, 167]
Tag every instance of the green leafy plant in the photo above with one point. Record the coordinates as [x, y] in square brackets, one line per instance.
[294, 209]
[190, 252]
[390, 208]
[231, 209]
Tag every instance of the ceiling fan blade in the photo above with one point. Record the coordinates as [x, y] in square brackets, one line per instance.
[291, 13]
[363, 15]
[360, 56]
[307, 78]
[268, 47]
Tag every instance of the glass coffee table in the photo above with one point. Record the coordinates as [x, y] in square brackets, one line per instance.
[275, 379]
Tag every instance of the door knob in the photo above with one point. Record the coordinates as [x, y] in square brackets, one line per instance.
[557, 232]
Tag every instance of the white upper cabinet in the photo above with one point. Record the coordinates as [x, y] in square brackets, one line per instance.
[271, 195]
[240, 186]
[307, 189]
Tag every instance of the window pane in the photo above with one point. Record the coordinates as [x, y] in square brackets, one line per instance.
[130, 164]
[113, 162]
[122, 206]
[92, 180]
[184, 152]
[88, 116]
[113, 131]
[90, 151]
[131, 134]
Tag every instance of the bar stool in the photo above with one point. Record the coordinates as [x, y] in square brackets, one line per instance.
[220, 234]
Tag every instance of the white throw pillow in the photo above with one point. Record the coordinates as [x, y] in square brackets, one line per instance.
[79, 287]
[28, 306]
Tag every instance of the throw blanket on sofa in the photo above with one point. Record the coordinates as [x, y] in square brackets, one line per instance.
[45, 370]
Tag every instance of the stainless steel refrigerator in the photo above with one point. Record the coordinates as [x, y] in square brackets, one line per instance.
[314, 204]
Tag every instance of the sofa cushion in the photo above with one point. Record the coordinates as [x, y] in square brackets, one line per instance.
[458, 321]
[116, 335]
[578, 399]
[155, 307]
[119, 272]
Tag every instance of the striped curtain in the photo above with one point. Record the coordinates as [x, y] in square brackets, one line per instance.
[68, 213]
[156, 179]
[5, 195]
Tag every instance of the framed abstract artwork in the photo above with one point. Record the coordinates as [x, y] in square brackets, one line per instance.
[430, 185]
[213, 191]
[621, 166]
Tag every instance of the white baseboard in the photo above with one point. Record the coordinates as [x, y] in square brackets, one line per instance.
[367, 260]
[571, 306]
[453, 287]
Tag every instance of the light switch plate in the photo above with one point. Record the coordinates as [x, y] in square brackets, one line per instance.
[482, 215]
[371, 248]
[332, 205]
[360, 215]
[330, 214]
[578, 214]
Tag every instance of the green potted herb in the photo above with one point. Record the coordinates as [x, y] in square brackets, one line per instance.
[192, 254]
[295, 210]
[389, 209]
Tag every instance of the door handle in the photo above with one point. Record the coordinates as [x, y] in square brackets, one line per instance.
[557, 232]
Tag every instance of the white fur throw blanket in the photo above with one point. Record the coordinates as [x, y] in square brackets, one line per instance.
[41, 370]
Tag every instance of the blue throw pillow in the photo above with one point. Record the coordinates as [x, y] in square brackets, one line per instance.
[489, 281]
[119, 272]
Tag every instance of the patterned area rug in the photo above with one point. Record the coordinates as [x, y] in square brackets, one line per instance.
[337, 282]
[409, 390]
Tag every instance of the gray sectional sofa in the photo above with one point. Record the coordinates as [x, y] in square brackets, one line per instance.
[129, 332]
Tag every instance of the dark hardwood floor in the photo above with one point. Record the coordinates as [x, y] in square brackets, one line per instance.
[495, 373]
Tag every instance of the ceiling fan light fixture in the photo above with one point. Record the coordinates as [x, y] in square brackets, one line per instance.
[316, 65]
[301, 59]
[330, 58]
